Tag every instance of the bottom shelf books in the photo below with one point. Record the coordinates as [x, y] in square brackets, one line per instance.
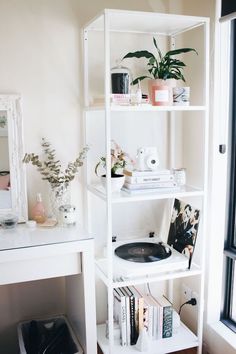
[134, 311]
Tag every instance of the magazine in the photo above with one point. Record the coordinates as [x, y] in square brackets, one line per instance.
[183, 228]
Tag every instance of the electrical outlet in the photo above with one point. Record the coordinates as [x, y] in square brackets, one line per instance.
[195, 296]
[186, 292]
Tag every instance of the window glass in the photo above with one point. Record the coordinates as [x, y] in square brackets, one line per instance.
[233, 314]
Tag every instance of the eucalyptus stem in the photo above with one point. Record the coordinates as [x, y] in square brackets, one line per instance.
[51, 169]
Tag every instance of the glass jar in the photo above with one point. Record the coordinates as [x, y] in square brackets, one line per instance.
[67, 214]
[120, 79]
[9, 221]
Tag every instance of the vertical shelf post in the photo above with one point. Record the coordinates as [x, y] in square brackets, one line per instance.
[108, 175]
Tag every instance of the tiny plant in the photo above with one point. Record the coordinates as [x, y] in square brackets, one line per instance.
[119, 159]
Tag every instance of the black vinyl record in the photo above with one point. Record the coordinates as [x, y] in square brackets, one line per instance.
[143, 252]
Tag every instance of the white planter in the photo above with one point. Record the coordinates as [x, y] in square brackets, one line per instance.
[116, 182]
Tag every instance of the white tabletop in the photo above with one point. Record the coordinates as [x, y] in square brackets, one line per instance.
[25, 237]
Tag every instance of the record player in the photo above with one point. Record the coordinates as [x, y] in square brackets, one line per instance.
[145, 256]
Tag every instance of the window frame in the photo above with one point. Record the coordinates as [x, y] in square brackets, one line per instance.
[230, 238]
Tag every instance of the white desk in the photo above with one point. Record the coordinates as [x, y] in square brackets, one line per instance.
[32, 254]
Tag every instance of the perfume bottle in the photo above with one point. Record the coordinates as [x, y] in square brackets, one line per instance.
[120, 79]
[38, 210]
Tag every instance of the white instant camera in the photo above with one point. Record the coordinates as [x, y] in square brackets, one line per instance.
[147, 158]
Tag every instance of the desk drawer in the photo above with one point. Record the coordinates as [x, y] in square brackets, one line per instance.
[40, 268]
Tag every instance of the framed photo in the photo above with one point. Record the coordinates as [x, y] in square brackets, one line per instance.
[183, 228]
[3, 123]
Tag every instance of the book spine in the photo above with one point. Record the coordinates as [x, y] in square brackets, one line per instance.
[160, 322]
[122, 315]
[149, 190]
[150, 321]
[167, 321]
[149, 179]
[150, 185]
[154, 329]
[146, 173]
[128, 327]
[145, 316]
[140, 313]
[139, 303]
[133, 330]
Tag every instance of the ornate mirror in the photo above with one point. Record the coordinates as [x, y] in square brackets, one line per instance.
[12, 172]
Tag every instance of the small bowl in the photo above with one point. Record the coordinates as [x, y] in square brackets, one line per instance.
[9, 221]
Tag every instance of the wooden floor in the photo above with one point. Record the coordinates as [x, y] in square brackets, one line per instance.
[187, 351]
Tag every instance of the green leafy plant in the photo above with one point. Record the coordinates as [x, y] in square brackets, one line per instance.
[119, 159]
[50, 167]
[161, 66]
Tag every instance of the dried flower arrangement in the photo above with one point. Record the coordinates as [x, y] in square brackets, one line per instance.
[50, 168]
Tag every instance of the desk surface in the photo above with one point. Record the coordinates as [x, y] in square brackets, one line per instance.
[25, 237]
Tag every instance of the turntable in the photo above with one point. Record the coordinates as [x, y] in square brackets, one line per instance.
[145, 256]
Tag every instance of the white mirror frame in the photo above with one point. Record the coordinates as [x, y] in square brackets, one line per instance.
[12, 105]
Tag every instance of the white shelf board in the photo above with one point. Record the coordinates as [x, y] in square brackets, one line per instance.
[145, 108]
[102, 269]
[183, 339]
[124, 197]
[145, 22]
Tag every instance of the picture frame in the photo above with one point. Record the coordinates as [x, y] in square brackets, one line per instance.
[183, 229]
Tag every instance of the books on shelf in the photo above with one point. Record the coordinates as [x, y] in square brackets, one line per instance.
[158, 180]
[149, 179]
[136, 173]
[150, 190]
[151, 185]
[135, 311]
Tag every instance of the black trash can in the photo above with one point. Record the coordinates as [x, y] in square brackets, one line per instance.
[47, 336]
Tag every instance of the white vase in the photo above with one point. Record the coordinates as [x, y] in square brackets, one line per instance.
[58, 195]
[116, 182]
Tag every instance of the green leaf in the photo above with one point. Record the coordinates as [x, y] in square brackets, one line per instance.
[180, 51]
[140, 78]
[139, 54]
[158, 50]
[151, 61]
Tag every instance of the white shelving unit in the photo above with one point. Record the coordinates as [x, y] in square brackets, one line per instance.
[182, 135]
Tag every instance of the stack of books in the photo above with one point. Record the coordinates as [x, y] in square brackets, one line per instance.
[134, 311]
[149, 181]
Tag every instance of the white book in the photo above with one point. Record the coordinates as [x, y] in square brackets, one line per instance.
[155, 317]
[123, 316]
[150, 311]
[137, 173]
[149, 179]
[167, 184]
[127, 302]
[159, 318]
[150, 190]
[139, 303]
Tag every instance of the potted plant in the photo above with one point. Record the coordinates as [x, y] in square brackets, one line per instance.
[119, 159]
[161, 68]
